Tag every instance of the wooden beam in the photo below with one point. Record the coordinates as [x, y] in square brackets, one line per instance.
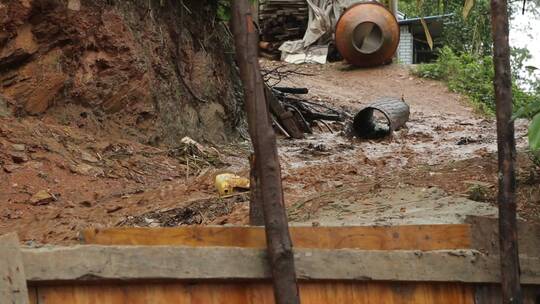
[485, 236]
[12, 279]
[414, 237]
[121, 263]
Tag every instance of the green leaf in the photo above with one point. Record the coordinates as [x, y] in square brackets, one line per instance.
[467, 8]
[534, 133]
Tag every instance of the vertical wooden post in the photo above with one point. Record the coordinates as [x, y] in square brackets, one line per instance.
[267, 166]
[256, 216]
[510, 272]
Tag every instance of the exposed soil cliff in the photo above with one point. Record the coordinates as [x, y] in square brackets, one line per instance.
[154, 71]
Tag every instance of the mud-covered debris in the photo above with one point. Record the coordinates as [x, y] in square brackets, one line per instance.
[479, 191]
[227, 184]
[204, 211]
[295, 116]
[317, 149]
[381, 118]
[195, 155]
[466, 140]
[42, 197]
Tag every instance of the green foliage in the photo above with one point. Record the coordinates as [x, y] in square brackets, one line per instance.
[471, 35]
[534, 133]
[223, 10]
[472, 75]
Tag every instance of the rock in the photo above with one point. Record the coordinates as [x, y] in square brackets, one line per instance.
[19, 147]
[114, 209]
[74, 5]
[4, 111]
[11, 168]
[87, 170]
[42, 197]
[19, 157]
[88, 157]
[19, 49]
[86, 204]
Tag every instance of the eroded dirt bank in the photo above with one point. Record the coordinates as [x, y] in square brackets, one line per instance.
[150, 71]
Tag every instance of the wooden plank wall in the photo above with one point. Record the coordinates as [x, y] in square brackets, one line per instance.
[421, 237]
[257, 293]
[427, 237]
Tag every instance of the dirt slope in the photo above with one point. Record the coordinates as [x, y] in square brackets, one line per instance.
[154, 71]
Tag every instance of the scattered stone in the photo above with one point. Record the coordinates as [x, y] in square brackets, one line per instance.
[87, 157]
[479, 191]
[42, 197]
[19, 157]
[19, 147]
[11, 168]
[86, 204]
[466, 140]
[114, 209]
[87, 170]
[74, 5]
[4, 112]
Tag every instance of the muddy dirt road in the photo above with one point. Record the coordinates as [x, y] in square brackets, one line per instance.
[58, 179]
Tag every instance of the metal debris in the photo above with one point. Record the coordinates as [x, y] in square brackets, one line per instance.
[394, 113]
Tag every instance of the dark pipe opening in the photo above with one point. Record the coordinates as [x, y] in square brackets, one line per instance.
[367, 38]
[371, 123]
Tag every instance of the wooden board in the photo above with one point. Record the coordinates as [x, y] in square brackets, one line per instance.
[142, 263]
[485, 236]
[421, 237]
[12, 279]
[491, 294]
[258, 293]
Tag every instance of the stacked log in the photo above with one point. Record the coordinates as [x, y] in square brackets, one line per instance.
[280, 21]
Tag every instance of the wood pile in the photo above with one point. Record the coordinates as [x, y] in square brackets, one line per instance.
[280, 21]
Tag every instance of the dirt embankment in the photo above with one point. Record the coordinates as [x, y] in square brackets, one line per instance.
[154, 71]
[95, 98]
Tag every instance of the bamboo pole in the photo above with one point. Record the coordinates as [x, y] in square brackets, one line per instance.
[509, 255]
[266, 158]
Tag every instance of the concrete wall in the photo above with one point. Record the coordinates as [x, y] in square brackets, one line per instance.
[405, 52]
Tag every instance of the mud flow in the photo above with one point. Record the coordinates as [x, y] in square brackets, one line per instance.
[74, 168]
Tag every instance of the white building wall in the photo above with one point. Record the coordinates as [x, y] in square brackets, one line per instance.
[405, 47]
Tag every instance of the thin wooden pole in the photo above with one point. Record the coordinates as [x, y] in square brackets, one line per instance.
[510, 271]
[256, 215]
[267, 166]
